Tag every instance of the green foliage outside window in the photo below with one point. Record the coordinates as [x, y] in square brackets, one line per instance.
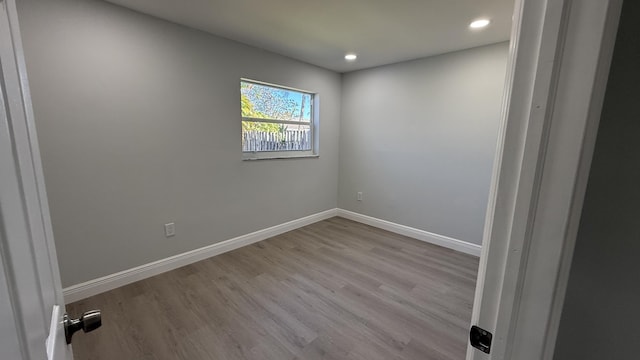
[266, 102]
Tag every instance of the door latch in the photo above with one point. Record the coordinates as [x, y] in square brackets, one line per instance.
[480, 339]
[89, 321]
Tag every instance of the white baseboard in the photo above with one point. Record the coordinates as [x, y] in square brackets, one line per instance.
[441, 240]
[93, 287]
[109, 282]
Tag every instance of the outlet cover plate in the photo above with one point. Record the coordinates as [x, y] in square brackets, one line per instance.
[169, 229]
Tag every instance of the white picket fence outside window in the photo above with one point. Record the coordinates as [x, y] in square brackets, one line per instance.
[288, 140]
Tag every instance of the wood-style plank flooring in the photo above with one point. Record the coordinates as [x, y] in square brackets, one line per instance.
[336, 289]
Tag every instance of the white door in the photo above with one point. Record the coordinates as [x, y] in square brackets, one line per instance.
[31, 302]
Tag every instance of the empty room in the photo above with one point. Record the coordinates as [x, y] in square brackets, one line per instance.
[268, 179]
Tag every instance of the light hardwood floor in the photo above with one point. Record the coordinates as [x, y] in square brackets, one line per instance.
[336, 289]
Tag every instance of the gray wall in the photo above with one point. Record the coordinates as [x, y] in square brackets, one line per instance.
[418, 139]
[602, 308]
[139, 125]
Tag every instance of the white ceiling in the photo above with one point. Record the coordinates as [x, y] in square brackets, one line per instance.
[320, 32]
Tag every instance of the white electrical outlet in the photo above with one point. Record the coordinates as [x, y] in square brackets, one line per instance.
[359, 196]
[169, 229]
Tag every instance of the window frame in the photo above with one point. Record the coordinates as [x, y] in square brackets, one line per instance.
[285, 154]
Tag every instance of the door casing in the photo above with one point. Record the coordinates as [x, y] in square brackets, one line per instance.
[558, 68]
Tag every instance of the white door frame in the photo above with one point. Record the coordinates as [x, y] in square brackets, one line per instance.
[30, 287]
[559, 64]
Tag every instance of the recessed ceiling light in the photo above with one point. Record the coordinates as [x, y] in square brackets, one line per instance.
[350, 57]
[479, 24]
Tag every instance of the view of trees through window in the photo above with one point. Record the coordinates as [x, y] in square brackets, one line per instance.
[275, 119]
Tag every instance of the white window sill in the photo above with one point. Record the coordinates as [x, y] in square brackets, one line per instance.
[267, 156]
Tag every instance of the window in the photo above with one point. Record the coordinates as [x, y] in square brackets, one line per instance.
[277, 121]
